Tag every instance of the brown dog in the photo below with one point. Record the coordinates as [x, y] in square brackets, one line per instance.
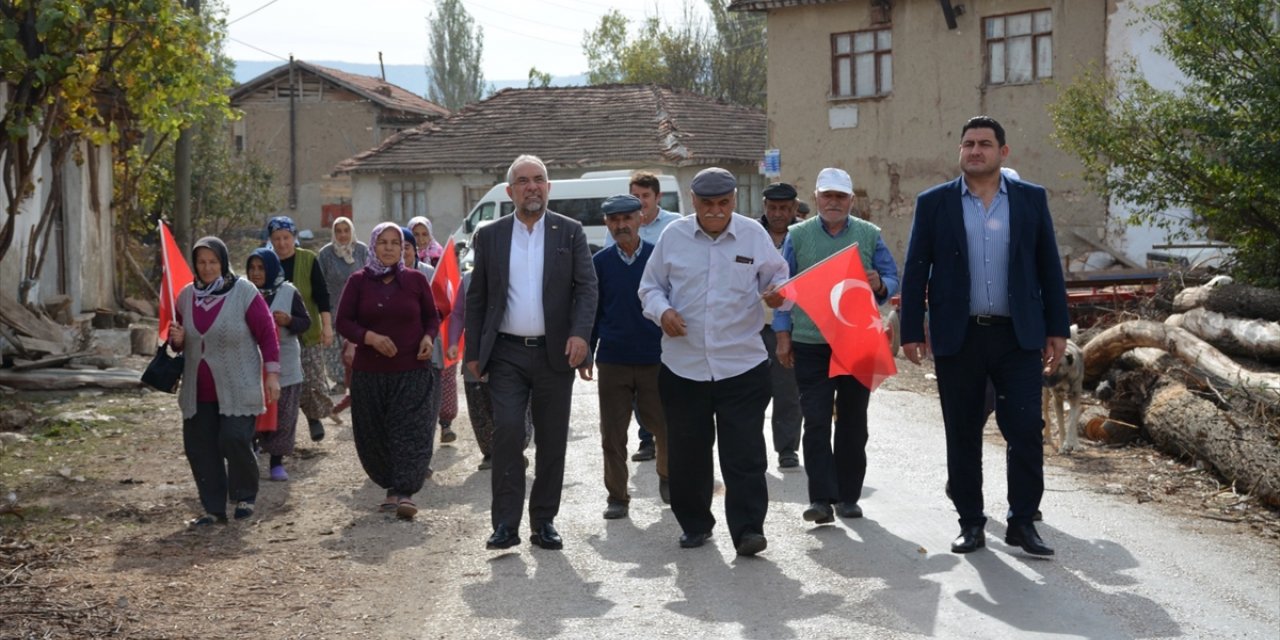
[1065, 385]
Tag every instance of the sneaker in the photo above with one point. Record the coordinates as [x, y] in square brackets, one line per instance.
[317, 430]
[278, 474]
[244, 509]
[486, 463]
[207, 519]
[645, 452]
[447, 435]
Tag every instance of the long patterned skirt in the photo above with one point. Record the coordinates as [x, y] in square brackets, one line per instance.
[390, 421]
[333, 362]
[315, 386]
[449, 395]
[280, 442]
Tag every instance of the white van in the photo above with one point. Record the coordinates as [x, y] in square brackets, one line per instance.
[579, 199]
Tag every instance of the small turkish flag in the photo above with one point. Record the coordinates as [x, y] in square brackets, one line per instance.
[838, 299]
[177, 274]
[444, 288]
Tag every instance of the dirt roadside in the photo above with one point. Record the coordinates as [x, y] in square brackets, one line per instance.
[105, 489]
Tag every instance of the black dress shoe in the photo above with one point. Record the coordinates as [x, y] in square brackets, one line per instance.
[819, 513]
[751, 544]
[547, 537]
[503, 537]
[615, 510]
[848, 510]
[1025, 536]
[971, 539]
[693, 540]
[645, 452]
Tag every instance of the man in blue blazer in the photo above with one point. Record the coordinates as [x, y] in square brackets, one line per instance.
[983, 250]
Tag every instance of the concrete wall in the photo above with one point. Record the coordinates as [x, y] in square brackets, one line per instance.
[1131, 41]
[908, 140]
[330, 129]
[81, 254]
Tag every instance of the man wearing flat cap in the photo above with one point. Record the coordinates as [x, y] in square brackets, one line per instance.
[835, 473]
[628, 352]
[780, 206]
[702, 286]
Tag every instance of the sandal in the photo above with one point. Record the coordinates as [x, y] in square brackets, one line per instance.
[406, 510]
[389, 504]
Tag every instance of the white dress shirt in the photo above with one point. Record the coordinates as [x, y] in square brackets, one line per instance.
[715, 285]
[524, 314]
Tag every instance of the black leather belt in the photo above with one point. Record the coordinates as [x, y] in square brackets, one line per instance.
[987, 321]
[528, 341]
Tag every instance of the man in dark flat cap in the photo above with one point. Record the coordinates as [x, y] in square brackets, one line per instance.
[628, 352]
[703, 286]
[780, 206]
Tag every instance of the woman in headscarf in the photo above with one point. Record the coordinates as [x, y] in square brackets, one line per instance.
[289, 313]
[302, 269]
[388, 312]
[338, 260]
[231, 370]
[430, 251]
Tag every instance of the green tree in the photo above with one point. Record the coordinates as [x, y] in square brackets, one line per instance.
[98, 71]
[538, 79]
[725, 62]
[454, 77]
[1212, 147]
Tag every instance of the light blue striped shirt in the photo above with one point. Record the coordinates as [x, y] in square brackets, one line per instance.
[987, 235]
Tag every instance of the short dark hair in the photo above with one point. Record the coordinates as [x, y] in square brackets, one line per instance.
[646, 180]
[984, 122]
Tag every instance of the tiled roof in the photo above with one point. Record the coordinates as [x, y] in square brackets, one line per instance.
[764, 5]
[575, 127]
[376, 90]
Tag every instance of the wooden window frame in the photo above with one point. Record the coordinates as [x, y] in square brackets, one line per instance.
[876, 52]
[1035, 36]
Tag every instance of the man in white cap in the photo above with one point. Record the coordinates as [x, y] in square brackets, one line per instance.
[702, 286]
[835, 474]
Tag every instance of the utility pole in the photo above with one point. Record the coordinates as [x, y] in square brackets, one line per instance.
[182, 175]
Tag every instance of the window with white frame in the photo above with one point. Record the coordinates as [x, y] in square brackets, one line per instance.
[861, 63]
[1019, 47]
[408, 199]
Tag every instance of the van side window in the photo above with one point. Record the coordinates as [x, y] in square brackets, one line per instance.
[584, 210]
[669, 202]
[480, 214]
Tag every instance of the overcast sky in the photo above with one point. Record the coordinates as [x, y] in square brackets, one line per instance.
[518, 34]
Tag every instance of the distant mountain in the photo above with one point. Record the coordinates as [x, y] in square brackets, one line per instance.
[412, 77]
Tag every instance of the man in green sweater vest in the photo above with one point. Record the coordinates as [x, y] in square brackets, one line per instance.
[835, 474]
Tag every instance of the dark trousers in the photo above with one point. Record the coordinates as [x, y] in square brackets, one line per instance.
[786, 398]
[835, 474]
[519, 375]
[993, 352]
[698, 411]
[622, 387]
[220, 451]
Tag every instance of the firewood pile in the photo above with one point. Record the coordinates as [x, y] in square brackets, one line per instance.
[1200, 379]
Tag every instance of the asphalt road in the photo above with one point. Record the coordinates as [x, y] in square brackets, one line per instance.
[1122, 570]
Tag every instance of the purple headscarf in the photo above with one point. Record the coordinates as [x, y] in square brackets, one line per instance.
[372, 265]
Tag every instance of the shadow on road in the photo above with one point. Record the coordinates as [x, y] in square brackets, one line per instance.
[542, 603]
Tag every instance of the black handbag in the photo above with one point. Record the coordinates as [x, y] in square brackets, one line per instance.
[164, 371]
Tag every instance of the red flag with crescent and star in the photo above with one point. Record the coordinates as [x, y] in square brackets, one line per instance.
[444, 288]
[177, 274]
[838, 299]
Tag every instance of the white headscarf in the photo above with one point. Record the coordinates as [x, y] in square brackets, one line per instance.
[346, 250]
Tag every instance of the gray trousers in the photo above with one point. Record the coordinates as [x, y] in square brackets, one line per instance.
[220, 451]
[786, 398]
[520, 376]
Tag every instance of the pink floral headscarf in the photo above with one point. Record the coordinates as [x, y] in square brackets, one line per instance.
[433, 251]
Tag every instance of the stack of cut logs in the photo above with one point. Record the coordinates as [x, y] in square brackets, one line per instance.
[1176, 384]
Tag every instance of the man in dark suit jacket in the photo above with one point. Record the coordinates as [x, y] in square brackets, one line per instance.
[530, 308]
[983, 248]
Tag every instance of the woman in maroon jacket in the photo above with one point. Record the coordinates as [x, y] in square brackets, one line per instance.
[388, 312]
